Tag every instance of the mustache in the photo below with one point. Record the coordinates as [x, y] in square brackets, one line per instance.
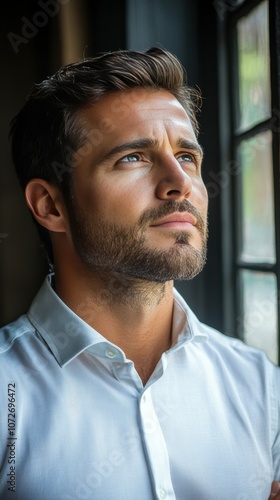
[170, 207]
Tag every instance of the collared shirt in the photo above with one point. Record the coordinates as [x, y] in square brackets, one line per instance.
[76, 422]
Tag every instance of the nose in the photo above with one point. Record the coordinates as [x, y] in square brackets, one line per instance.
[174, 183]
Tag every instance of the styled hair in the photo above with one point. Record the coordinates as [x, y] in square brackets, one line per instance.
[47, 131]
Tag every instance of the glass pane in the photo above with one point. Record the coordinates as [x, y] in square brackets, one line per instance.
[257, 205]
[253, 67]
[259, 321]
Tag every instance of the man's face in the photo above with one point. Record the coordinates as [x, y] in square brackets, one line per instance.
[139, 204]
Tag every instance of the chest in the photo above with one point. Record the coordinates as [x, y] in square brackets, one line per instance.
[94, 437]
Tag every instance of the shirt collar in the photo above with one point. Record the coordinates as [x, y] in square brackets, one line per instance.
[67, 335]
[185, 327]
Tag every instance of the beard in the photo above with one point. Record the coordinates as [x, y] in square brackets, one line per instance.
[107, 247]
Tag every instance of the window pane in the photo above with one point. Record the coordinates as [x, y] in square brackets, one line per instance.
[259, 320]
[253, 67]
[257, 206]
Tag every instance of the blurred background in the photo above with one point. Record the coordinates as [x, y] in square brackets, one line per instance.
[231, 51]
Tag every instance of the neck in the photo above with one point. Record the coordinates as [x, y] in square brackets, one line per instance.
[133, 314]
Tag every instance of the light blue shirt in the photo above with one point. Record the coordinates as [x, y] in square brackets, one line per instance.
[76, 422]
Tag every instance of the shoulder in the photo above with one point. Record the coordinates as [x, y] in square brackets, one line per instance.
[234, 347]
[241, 365]
[229, 354]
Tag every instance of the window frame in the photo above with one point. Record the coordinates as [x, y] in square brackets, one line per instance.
[230, 138]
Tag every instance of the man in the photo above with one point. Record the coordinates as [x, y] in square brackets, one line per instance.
[111, 387]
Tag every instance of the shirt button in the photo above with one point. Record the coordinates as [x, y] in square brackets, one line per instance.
[110, 353]
[162, 493]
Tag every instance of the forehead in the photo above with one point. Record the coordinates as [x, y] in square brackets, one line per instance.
[132, 113]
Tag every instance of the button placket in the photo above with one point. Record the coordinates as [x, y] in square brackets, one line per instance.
[156, 447]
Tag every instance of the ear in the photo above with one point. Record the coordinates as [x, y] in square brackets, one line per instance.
[47, 205]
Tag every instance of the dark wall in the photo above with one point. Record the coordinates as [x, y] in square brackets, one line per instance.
[107, 26]
[24, 60]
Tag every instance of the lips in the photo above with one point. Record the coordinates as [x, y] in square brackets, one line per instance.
[183, 220]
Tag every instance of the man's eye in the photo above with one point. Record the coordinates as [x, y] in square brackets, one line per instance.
[130, 158]
[186, 157]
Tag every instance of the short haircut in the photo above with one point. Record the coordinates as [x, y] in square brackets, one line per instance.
[47, 132]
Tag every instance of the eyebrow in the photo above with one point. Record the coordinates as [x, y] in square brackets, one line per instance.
[146, 143]
[189, 144]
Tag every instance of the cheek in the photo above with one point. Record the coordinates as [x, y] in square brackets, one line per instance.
[121, 204]
[132, 194]
[200, 196]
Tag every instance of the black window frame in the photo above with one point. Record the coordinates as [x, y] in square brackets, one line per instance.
[230, 138]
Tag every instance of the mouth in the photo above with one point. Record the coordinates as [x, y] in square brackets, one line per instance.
[179, 221]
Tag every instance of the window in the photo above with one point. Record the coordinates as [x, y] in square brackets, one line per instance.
[254, 189]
